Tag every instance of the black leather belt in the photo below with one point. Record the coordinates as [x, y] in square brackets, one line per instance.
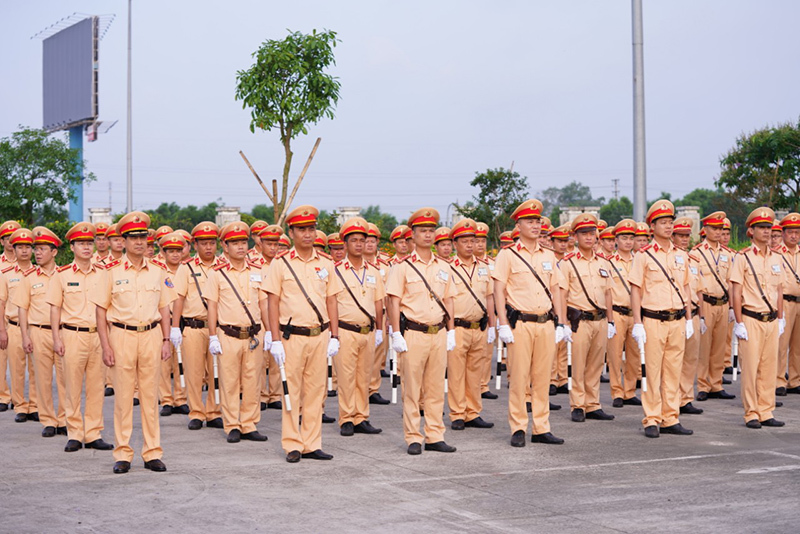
[535, 318]
[240, 332]
[45, 326]
[424, 328]
[191, 322]
[355, 328]
[664, 315]
[767, 317]
[90, 329]
[15, 323]
[304, 330]
[463, 323]
[715, 301]
[622, 310]
[791, 298]
[696, 310]
[591, 316]
[142, 328]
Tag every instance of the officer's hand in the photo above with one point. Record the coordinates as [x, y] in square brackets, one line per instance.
[333, 347]
[166, 351]
[638, 333]
[451, 340]
[703, 327]
[689, 329]
[731, 315]
[3, 340]
[390, 330]
[559, 333]
[491, 336]
[108, 357]
[399, 343]
[278, 354]
[58, 347]
[505, 334]
[378, 337]
[267, 340]
[781, 326]
[740, 331]
[27, 345]
[612, 330]
[213, 345]
[175, 336]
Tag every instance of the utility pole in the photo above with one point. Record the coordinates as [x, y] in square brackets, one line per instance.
[639, 166]
[615, 181]
[129, 156]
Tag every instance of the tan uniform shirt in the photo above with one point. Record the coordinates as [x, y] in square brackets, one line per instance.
[720, 259]
[696, 276]
[5, 261]
[247, 281]
[657, 293]
[523, 291]
[791, 285]
[595, 273]
[619, 294]
[12, 278]
[769, 271]
[69, 289]
[317, 277]
[102, 260]
[480, 281]
[416, 302]
[190, 271]
[133, 296]
[366, 284]
[32, 296]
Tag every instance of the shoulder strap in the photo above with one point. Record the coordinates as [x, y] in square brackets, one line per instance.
[358, 304]
[538, 278]
[671, 281]
[758, 285]
[430, 290]
[714, 272]
[471, 292]
[200, 291]
[575, 268]
[790, 268]
[247, 311]
[308, 299]
[624, 283]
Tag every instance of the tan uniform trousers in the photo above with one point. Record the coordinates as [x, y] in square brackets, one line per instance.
[354, 365]
[712, 349]
[789, 346]
[559, 373]
[45, 359]
[486, 366]
[691, 356]
[666, 341]
[622, 376]
[18, 361]
[198, 364]
[378, 363]
[239, 373]
[83, 359]
[530, 361]
[169, 390]
[271, 389]
[759, 357]
[306, 377]
[728, 346]
[5, 392]
[588, 351]
[465, 366]
[137, 362]
[424, 366]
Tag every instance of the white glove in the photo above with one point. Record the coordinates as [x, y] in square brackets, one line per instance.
[703, 328]
[689, 329]
[213, 345]
[399, 343]
[740, 331]
[781, 326]
[378, 337]
[451, 340]
[566, 333]
[333, 347]
[278, 354]
[638, 333]
[267, 340]
[505, 334]
[612, 330]
[492, 335]
[731, 315]
[175, 336]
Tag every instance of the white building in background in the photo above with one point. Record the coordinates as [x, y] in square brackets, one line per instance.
[347, 212]
[570, 212]
[227, 214]
[693, 212]
[98, 215]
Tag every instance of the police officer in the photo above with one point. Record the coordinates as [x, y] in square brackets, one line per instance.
[480, 250]
[789, 346]
[443, 244]
[256, 253]
[271, 392]
[7, 258]
[373, 255]
[642, 236]
[559, 238]
[398, 240]
[336, 247]
[101, 244]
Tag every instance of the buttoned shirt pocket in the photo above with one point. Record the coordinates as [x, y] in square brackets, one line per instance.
[414, 284]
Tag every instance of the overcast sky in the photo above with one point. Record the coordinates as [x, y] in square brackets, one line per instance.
[431, 93]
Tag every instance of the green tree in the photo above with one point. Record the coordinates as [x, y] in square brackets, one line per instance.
[264, 213]
[709, 201]
[572, 194]
[36, 173]
[288, 88]
[763, 168]
[616, 209]
[385, 222]
[327, 222]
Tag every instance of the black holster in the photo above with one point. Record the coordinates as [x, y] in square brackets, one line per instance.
[484, 322]
[574, 318]
[403, 323]
[513, 316]
[287, 332]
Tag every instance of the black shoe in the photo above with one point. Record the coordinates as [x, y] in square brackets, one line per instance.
[318, 455]
[721, 394]
[599, 415]
[563, 390]
[578, 416]
[518, 439]
[364, 427]
[61, 430]
[726, 381]
[753, 423]
[639, 384]
[794, 391]
[20, 418]
[326, 419]
[414, 449]
[702, 396]
[528, 407]
[780, 392]
[458, 424]
[384, 374]
[275, 405]
[122, 467]
[195, 424]
[439, 446]
[155, 465]
[263, 406]
[33, 416]
[215, 423]
[488, 395]
[136, 402]
[422, 413]
[73, 445]
[677, 429]
[183, 409]
[255, 435]
[293, 457]
[547, 438]
[109, 392]
[234, 436]
[376, 398]
[633, 401]
[347, 429]
[651, 431]
[48, 432]
[554, 407]
[478, 423]
[553, 390]
[99, 445]
[3, 406]
[772, 422]
[332, 393]
[617, 403]
[778, 404]
[727, 371]
[603, 379]
[691, 410]
[166, 410]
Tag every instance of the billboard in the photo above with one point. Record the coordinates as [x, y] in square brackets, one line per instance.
[69, 76]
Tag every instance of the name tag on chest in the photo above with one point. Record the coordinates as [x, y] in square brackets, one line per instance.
[603, 273]
[442, 275]
[73, 284]
[37, 286]
[547, 266]
[119, 282]
[322, 274]
[678, 260]
[482, 272]
[723, 258]
[693, 270]
[255, 277]
[775, 269]
[370, 280]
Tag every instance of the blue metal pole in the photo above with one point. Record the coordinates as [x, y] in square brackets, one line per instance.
[76, 206]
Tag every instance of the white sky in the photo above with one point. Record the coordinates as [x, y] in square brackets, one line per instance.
[431, 93]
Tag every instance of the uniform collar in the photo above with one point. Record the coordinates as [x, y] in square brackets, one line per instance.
[657, 247]
[126, 262]
[457, 261]
[520, 245]
[766, 251]
[580, 256]
[415, 258]
[347, 265]
[293, 254]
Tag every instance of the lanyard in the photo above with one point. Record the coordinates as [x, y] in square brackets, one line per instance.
[470, 274]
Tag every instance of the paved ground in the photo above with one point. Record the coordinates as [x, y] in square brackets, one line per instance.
[606, 478]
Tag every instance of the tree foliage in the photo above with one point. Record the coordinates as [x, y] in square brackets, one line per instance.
[616, 209]
[186, 218]
[385, 222]
[572, 194]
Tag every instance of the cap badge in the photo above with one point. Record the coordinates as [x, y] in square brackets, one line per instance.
[136, 219]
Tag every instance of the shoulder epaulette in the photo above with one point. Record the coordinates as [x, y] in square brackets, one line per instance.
[568, 256]
[483, 260]
[64, 268]
[9, 268]
[446, 260]
[692, 257]
[156, 262]
[401, 260]
[29, 271]
[381, 260]
[220, 266]
[747, 249]
[112, 264]
[375, 265]
[727, 248]
[255, 264]
[281, 254]
[646, 247]
[338, 263]
[325, 255]
[509, 245]
[546, 246]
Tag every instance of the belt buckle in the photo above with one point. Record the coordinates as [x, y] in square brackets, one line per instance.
[764, 318]
[92, 329]
[142, 328]
[474, 326]
[364, 330]
[313, 332]
[433, 330]
[244, 334]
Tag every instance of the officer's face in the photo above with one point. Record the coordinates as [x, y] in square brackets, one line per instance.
[725, 236]
[236, 250]
[529, 228]
[777, 238]
[586, 239]
[206, 249]
[371, 246]
[681, 240]
[663, 227]
[44, 254]
[479, 246]
[607, 244]
[624, 242]
[136, 245]
[444, 248]
[150, 251]
[465, 246]
[5, 241]
[423, 236]
[303, 236]
[401, 246]
[639, 241]
[117, 244]
[337, 252]
[791, 236]
[173, 256]
[560, 245]
[23, 252]
[269, 248]
[101, 242]
[761, 233]
[355, 244]
[82, 250]
[713, 233]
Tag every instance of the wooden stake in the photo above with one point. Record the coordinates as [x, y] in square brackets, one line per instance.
[297, 184]
[257, 177]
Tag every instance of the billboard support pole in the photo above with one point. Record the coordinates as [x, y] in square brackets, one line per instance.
[76, 206]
